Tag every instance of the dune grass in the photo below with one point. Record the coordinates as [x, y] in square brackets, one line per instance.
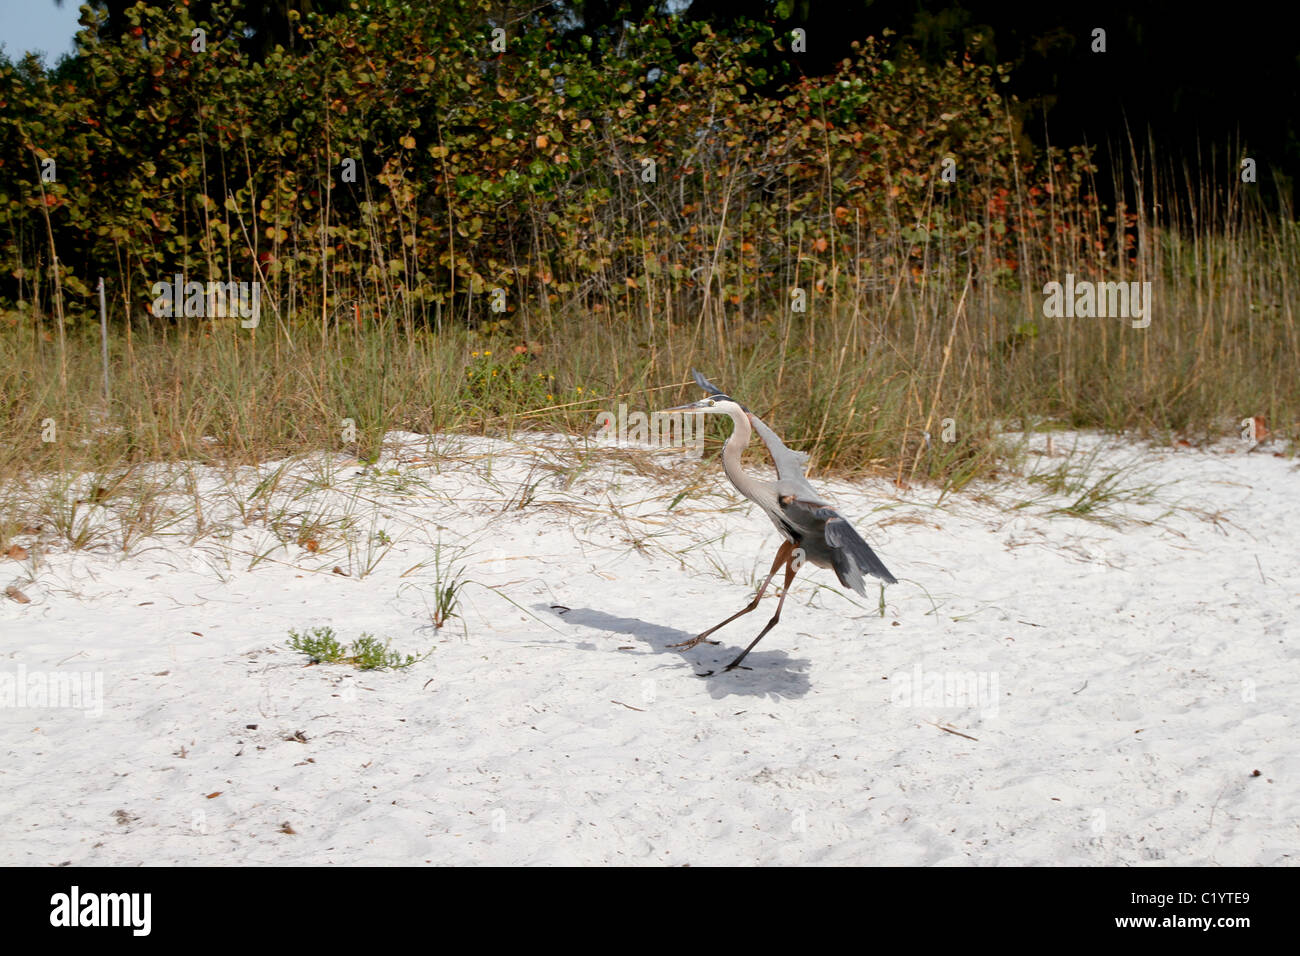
[907, 365]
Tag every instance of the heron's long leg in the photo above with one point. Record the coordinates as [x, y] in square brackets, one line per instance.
[782, 557]
[790, 570]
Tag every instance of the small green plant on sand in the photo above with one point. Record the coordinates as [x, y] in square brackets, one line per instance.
[448, 582]
[366, 653]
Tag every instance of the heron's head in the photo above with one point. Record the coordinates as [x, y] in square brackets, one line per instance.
[716, 404]
[717, 401]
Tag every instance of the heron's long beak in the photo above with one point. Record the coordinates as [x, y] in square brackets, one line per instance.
[692, 407]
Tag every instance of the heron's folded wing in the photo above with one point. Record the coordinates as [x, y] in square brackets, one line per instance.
[798, 494]
[799, 513]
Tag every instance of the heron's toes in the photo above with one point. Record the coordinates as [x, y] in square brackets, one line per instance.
[686, 645]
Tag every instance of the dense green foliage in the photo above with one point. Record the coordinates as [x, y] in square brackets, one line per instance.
[558, 221]
[564, 170]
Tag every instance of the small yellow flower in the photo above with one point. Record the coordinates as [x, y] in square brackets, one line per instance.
[475, 354]
[579, 389]
[550, 398]
[486, 354]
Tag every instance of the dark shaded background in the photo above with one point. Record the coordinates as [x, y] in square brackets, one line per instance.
[1205, 86]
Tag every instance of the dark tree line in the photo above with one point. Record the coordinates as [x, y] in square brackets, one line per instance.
[1200, 85]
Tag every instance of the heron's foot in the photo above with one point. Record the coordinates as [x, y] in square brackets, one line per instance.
[724, 670]
[687, 645]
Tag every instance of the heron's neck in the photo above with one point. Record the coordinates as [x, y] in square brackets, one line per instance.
[733, 449]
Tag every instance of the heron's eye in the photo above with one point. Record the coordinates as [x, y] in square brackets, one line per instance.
[712, 403]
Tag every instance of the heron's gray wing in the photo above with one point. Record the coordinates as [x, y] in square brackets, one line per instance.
[801, 514]
[790, 464]
[828, 538]
[841, 536]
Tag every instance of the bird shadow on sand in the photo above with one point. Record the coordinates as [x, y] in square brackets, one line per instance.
[771, 673]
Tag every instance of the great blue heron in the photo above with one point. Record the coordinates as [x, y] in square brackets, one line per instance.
[812, 529]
